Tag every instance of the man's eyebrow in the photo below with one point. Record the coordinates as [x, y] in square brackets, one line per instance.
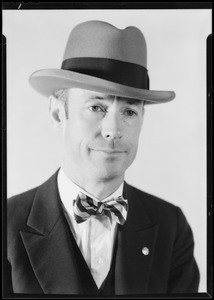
[129, 101]
[96, 97]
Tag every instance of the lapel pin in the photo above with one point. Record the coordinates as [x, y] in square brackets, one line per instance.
[145, 251]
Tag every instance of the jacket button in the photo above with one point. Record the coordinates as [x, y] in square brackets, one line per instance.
[145, 251]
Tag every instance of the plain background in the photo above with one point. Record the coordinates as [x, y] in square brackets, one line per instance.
[171, 160]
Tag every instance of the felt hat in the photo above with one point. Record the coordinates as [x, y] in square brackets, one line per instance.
[102, 58]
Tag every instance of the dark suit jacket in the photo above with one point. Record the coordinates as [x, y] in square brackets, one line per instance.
[41, 256]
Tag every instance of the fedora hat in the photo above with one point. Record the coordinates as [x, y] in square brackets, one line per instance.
[102, 58]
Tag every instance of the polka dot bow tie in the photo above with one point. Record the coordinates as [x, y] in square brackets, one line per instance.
[85, 207]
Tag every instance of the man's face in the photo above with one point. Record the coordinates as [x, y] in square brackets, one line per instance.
[101, 134]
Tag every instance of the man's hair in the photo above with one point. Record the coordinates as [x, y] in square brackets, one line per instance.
[62, 96]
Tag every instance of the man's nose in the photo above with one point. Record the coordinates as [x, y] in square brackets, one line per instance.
[111, 128]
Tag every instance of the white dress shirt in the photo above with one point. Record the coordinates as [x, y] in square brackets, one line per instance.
[95, 237]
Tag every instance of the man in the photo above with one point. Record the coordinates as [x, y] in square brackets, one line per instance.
[86, 231]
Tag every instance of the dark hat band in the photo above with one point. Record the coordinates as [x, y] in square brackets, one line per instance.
[117, 71]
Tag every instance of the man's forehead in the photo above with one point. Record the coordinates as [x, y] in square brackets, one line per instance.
[94, 95]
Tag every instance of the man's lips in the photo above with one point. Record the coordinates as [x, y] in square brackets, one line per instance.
[109, 151]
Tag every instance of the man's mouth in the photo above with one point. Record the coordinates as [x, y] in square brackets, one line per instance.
[109, 151]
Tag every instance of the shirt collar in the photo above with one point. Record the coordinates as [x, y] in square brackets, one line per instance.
[68, 191]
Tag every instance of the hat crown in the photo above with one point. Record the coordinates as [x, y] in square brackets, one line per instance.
[103, 40]
[102, 58]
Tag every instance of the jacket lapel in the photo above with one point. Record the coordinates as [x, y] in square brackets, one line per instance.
[133, 264]
[48, 243]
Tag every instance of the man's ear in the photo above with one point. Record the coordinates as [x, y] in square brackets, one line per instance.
[57, 112]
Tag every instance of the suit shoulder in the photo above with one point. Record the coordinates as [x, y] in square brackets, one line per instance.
[18, 208]
[170, 217]
[158, 209]
[22, 199]
[150, 198]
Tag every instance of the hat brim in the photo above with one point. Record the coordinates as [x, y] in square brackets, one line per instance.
[47, 81]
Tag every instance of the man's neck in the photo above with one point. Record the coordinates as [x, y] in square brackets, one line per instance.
[99, 188]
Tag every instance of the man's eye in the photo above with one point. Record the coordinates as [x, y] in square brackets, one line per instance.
[96, 108]
[130, 113]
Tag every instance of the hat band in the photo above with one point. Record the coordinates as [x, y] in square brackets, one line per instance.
[117, 71]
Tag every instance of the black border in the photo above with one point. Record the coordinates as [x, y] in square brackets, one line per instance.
[209, 167]
[107, 5]
[113, 5]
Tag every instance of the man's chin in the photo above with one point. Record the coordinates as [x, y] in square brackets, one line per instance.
[106, 174]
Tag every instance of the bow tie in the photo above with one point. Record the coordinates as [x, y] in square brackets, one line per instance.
[85, 207]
